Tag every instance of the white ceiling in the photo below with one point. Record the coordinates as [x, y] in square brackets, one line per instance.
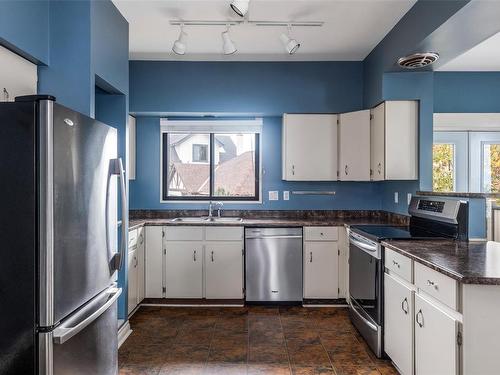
[483, 57]
[352, 28]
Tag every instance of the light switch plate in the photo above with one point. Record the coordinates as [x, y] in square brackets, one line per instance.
[408, 198]
[396, 197]
[273, 195]
[286, 195]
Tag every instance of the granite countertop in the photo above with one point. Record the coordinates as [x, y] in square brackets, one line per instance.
[466, 262]
[268, 222]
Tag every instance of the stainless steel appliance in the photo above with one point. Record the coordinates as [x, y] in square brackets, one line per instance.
[273, 264]
[430, 218]
[60, 181]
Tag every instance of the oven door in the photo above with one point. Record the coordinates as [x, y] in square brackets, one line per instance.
[365, 289]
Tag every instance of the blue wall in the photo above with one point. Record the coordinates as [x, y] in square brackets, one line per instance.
[145, 190]
[467, 92]
[24, 28]
[269, 89]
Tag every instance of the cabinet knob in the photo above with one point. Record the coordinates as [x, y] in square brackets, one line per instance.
[346, 170]
[396, 264]
[379, 167]
[432, 283]
[293, 170]
[212, 255]
[194, 255]
[310, 257]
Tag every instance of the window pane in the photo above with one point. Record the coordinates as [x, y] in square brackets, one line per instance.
[443, 167]
[491, 168]
[189, 167]
[234, 165]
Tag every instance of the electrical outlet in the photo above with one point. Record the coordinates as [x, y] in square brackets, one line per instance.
[286, 195]
[396, 197]
[273, 195]
[408, 198]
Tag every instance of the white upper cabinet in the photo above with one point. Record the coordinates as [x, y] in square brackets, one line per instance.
[18, 76]
[354, 146]
[309, 147]
[131, 148]
[394, 141]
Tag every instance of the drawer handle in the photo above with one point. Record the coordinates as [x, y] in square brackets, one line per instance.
[404, 306]
[420, 323]
[396, 264]
[346, 170]
[194, 255]
[142, 239]
[432, 283]
[293, 170]
[310, 257]
[321, 234]
[212, 256]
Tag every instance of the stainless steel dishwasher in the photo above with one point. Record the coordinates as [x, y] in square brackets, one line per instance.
[273, 264]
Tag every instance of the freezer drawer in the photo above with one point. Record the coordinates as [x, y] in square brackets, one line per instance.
[273, 265]
[84, 343]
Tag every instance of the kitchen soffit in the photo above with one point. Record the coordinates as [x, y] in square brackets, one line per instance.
[351, 29]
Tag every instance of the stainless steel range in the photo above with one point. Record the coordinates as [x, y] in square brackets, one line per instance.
[430, 218]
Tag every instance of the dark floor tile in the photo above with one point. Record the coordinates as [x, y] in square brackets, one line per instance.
[308, 355]
[355, 370]
[182, 369]
[303, 336]
[232, 324]
[186, 355]
[197, 337]
[271, 337]
[268, 354]
[312, 370]
[227, 354]
[225, 369]
[265, 369]
[263, 311]
[139, 370]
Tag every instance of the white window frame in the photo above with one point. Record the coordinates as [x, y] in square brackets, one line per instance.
[219, 126]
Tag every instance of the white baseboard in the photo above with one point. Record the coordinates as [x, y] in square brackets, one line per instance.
[123, 333]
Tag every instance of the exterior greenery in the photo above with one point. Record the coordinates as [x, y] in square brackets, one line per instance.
[443, 161]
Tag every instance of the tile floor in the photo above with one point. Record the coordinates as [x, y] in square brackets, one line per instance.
[246, 340]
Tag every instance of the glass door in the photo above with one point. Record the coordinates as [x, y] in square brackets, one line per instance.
[450, 162]
[485, 162]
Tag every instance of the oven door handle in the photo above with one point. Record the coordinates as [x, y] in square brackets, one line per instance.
[372, 326]
[362, 245]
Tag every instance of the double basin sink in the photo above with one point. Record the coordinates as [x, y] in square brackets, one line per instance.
[207, 219]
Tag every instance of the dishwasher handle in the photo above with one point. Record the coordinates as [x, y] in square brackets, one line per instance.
[261, 237]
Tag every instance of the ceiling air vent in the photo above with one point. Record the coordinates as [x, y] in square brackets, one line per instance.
[418, 60]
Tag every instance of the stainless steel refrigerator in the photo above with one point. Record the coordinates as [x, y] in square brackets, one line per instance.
[60, 180]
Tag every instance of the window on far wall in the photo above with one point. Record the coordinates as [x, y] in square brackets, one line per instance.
[210, 162]
[443, 167]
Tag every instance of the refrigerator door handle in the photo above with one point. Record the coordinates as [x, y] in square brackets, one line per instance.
[85, 316]
[116, 168]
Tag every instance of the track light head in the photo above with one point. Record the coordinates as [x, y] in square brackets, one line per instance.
[240, 7]
[228, 46]
[179, 47]
[291, 45]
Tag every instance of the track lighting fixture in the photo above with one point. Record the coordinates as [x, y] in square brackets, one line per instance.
[179, 46]
[290, 44]
[228, 46]
[240, 7]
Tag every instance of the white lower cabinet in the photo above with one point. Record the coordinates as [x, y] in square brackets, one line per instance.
[132, 280]
[398, 323]
[154, 262]
[436, 349]
[184, 269]
[224, 270]
[141, 265]
[321, 277]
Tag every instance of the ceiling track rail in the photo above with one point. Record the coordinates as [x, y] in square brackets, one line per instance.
[246, 22]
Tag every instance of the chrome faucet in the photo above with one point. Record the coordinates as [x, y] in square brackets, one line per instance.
[217, 205]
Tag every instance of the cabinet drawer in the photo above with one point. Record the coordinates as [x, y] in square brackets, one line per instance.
[224, 233]
[132, 239]
[184, 233]
[321, 233]
[399, 264]
[436, 284]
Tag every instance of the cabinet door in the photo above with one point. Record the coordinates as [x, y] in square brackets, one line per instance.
[224, 270]
[141, 266]
[132, 280]
[321, 277]
[401, 140]
[354, 146]
[435, 340]
[309, 147]
[154, 262]
[184, 267]
[377, 143]
[398, 324]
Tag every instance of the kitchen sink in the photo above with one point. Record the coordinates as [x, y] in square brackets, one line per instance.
[200, 219]
[217, 219]
[204, 219]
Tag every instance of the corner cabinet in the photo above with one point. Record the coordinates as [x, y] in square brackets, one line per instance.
[394, 141]
[135, 269]
[354, 146]
[309, 147]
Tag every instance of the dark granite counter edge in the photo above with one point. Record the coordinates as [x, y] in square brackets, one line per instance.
[477, 280]
[431, 265]
[458, 194]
